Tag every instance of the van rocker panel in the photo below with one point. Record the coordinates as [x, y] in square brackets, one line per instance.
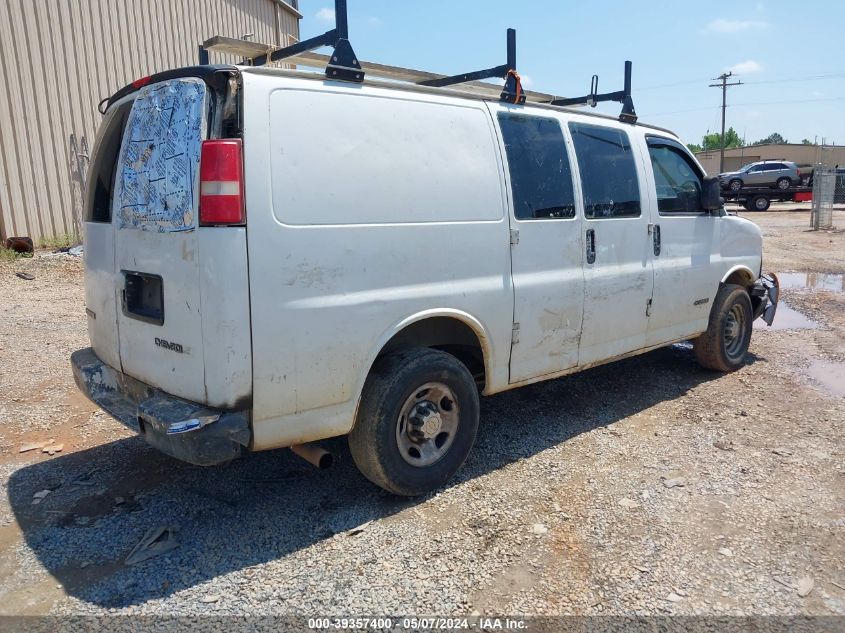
[198, 435]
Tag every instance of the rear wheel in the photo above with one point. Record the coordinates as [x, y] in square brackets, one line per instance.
[760, 203]
[725, 343]
[735, 184]
[416, 422]
[784, 183]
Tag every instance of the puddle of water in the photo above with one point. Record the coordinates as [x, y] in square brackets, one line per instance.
[787, 319]
[829, 375]
[812, 281]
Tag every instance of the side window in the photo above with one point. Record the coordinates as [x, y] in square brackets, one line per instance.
[756, 168]
[541, 178]
[678, 183]
[608, 171]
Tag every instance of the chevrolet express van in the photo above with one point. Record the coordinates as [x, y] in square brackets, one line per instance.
[274, 258]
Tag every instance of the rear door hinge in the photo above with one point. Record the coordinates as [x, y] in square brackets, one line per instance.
[515, 334]
[648, 308]
[514, 236]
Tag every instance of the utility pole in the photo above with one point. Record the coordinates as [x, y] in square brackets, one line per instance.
[724, 86]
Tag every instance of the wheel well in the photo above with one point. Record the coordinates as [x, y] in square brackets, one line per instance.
[452, 336]
[740, 277]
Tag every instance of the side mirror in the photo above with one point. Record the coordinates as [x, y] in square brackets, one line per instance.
[711, 194]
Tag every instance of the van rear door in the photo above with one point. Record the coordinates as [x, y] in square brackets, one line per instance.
[98, 236]
[180, 289]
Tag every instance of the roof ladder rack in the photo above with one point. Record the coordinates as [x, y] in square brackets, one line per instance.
[343, 63]
[628, 114]
[512, 92]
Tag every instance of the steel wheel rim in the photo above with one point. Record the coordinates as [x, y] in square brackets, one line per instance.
[735, 332]
[783, 184]
[736, 185]
[760, 204]
[427, 424]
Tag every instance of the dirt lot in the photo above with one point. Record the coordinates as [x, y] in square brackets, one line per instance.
[648, 486]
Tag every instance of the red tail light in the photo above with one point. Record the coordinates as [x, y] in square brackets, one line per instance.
[143, 81]
[221, 182]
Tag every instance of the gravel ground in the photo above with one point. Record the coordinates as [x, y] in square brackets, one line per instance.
[647, 486]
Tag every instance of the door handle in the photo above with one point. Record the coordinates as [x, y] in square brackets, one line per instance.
[591, 246]
[655, 233]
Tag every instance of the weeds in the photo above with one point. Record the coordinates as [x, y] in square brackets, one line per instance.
[60, 241]
[7, 254]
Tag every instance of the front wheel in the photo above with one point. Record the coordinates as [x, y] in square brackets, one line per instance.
[416, 421]
[725, 343]
[735, 185]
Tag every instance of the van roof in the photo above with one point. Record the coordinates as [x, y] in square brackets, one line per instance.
[477, 95]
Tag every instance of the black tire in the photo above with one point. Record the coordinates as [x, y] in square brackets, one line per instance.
[397, 378]
[759, 203]
[731, 310]
[783, 183]
[735, 185]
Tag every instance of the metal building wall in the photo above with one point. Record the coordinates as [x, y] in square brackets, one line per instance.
[801, 154]
[59, 58]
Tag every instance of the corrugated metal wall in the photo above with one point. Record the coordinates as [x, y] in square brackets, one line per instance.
[59, 58]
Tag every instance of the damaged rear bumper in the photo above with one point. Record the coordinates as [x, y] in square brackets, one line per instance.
[767, 292]
[185, 430]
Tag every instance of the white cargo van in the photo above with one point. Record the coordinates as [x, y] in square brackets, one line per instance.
[274, 257]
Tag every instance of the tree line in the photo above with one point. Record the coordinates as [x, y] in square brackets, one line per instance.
[732, 139]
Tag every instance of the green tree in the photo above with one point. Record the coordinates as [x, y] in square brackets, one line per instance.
[694, 148]
[806, 141]
[772, 139]
[714, 140]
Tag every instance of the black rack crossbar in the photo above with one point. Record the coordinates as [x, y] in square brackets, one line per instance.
[343, 62]
[628, 114]
[512, 92]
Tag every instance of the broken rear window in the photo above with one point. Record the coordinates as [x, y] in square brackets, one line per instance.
[157, 172]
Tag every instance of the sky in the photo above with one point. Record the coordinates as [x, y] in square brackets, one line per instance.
[790, 56]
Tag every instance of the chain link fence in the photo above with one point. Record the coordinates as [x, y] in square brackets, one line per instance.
[828, 190]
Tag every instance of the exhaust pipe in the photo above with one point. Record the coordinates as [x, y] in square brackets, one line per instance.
[314, 454]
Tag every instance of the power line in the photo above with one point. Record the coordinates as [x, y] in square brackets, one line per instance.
[672, 85]
[756, 103]
[796, 79]
[756, 83]
[724, 86]
[744, 104]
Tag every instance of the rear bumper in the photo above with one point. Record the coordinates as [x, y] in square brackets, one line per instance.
[185, 430]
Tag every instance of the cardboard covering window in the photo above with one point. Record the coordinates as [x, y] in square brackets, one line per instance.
[159, 159]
